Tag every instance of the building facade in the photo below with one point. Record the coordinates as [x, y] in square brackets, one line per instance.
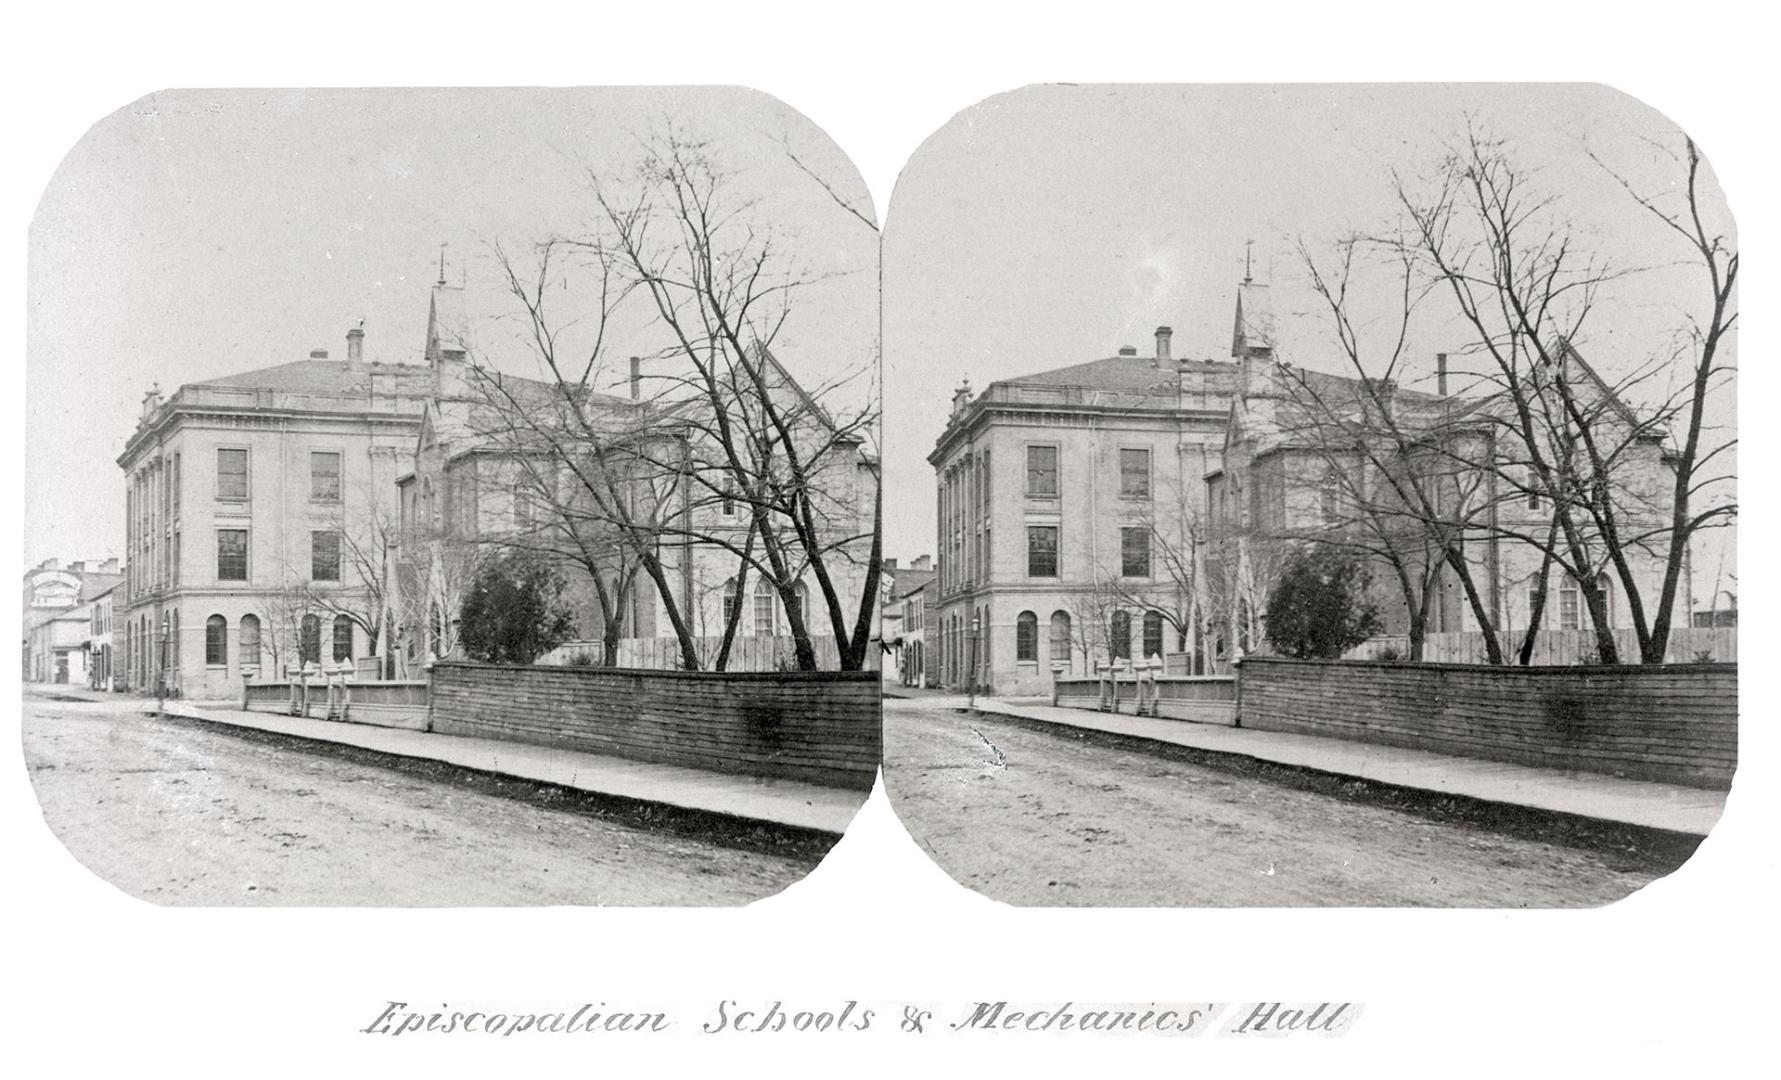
[1061, 498]
[1134, 507]
[58, 602]
[503, 462]
[257, 506]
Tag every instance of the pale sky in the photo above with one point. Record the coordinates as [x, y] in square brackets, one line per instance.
[1054, 224]
[197, 234]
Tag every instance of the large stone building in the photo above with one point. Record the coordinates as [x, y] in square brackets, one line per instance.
[1136, 506]
[1059, 494]
[254, 504]
[506, 462]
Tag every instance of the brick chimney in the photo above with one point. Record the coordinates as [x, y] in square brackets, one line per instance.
[636, 378]
[318, 354]
[109, 566]
[922, 562]
[1441, 374]
[1128, 350]
[1163, 336]
[355, 347]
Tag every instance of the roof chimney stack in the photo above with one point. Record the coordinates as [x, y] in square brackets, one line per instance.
[1128, 350]
[636, 378]
[1441, 374]
[1163, 334]
[355, 347]
[318, 354]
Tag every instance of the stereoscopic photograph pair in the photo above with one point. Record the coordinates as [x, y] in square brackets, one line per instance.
[1237, 496]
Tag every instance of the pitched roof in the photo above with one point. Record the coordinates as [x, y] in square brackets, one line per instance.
[1112, 373]
[317, 377]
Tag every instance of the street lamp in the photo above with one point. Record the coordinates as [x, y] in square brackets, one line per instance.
[971, 639]
[161, 669]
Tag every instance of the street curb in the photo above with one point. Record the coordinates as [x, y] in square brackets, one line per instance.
[1164, 748]
[810, 832]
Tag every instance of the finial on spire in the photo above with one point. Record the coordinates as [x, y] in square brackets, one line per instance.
[1248, 257]
[442, 262]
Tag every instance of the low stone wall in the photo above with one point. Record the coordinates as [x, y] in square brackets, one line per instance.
[1205, 699]
[399, 703]
[819, 727]
[1676, 723]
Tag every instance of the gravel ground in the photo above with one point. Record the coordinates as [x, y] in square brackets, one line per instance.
[1035, 817]
[178, 812]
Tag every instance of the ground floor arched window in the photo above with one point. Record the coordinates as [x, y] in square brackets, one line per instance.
[216, 641]
[248, 644]
[342, 638]
[1026, 637]
[1153, 634]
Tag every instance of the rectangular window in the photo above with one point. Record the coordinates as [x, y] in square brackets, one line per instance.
[324, 556]
[1042, 470]
[324, 476]
[1533, 489]
[231, 474]
[231, 554]
[1042, 551]
[1134, 474]
[1134, 552]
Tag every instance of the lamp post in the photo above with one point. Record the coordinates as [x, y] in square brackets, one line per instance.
[971, 640]
[161, 669]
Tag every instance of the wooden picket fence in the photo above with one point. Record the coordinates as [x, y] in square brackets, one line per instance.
[1556, 648]
[747, 653]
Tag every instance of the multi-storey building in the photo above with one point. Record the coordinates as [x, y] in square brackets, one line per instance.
[254, 504]
[1061, 497]
[1136, 506]
[492, 469]
[57, 602]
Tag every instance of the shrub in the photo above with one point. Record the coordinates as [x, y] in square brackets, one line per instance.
[1319, 608]
[514, 612]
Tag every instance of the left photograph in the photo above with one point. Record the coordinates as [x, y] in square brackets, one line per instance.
[452, 497]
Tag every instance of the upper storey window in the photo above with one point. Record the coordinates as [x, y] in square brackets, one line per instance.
[1134, 474]
[324, 476]
[231, 474]
[1042, 470]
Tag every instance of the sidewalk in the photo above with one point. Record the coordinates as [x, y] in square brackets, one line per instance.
[1634, 802]
[782, 802]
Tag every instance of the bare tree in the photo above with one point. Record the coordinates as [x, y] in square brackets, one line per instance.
[1401, 476]
[1568, 437]
[364, 587]
[722, 289]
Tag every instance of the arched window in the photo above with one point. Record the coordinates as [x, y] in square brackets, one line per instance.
[1605, 587]
[1060, 637]
[250, 641]
[764, 599]
[1243, 636]
[730, 599]
[342, 638]
[309, 640]
[1026, 637]
[1153, 634]
[1570, 604]
[1122, 635]
[803, 598]
[216, 641]
[1331, 493]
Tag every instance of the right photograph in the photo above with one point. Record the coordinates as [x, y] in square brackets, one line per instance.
[1310, 496]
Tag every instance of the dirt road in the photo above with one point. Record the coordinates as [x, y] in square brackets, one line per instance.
[1037, 818]
[180, 813]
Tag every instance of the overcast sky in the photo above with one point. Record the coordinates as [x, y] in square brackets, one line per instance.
[201, 234]
[1053, 224]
